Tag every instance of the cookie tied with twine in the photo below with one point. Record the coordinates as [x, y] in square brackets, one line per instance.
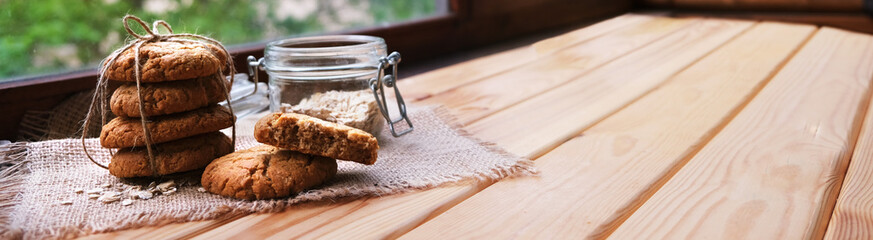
[209, 57]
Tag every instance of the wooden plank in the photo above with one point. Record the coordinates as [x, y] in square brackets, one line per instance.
[774, 171]
[853, 21]
[853, 213]
[169, 231]
[563, 112]
[345, 220]
[599, 178]
[393, 215]
[427, 84]
[479, 99]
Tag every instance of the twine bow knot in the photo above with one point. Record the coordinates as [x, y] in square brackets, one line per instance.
[152, 35]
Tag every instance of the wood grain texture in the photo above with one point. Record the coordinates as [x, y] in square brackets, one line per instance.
[479, 99]
[427, 84]
[563, 112]
[592, 182]
[773, 172]
[853, 213]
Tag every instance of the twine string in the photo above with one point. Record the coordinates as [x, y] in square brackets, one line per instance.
[143, 119]
[98, 102]
[162, 23]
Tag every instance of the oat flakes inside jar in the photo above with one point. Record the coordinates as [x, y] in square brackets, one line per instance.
[339, 78]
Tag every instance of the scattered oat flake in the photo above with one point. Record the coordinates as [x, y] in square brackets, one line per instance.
[106, 185]
[126, 202]
[109, 197]
[94, 191]
[165, 186]
[169, 191]
[66, 202]
[201, 189]
[143, 194]
[79, 190]
[93, 196]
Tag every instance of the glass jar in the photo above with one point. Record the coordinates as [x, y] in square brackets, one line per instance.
[339, 78]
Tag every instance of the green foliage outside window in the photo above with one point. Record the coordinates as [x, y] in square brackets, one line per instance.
[47, 36]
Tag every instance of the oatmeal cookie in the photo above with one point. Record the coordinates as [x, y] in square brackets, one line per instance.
[168, 97]
[168, 61]
[265, 172]
[123, 132]
[311, 135]
[171, 157]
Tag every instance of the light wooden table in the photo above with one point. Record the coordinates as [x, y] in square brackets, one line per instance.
[643, 127]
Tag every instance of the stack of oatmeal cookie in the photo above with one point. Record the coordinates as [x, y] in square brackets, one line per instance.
[180, 89]
[299, 154]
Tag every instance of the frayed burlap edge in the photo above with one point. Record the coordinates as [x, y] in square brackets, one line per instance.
[12, 177]
[522, 168]
[517, 168]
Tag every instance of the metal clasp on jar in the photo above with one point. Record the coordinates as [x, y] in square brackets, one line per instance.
[378, 84]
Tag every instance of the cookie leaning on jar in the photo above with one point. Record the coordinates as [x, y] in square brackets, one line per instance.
[180, 86]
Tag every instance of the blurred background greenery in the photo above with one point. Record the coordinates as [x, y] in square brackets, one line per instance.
[48, 36]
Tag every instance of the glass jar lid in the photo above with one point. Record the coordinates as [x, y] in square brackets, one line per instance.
[324, 57]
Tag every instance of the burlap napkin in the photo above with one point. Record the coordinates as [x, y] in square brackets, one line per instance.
[38, 176]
